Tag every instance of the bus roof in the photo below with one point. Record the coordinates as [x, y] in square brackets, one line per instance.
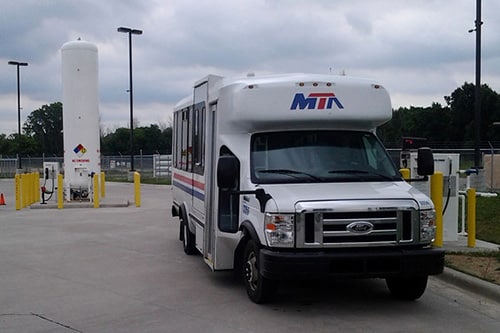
[290, 101]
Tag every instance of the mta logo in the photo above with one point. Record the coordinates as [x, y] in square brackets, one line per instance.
[318, 101]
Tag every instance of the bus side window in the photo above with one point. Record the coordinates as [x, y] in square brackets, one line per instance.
[199, 138]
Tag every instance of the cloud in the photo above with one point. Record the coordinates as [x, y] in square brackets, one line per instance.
[419, 50]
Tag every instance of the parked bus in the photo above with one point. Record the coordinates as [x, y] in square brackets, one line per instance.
[282, 177]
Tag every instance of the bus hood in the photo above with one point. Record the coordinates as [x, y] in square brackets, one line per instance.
[286, 196]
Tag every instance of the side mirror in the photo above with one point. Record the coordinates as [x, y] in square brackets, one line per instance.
[228, 172]
[425, 162]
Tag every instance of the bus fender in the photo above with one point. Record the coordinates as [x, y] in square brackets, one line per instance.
[248, 232]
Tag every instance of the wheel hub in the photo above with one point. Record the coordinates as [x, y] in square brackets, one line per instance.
[251, 273]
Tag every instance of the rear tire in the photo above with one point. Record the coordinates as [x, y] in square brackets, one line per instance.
[407, 288]
[188, 238]
[259, 289]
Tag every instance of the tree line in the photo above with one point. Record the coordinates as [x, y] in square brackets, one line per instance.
[42, 133]
[450, 125]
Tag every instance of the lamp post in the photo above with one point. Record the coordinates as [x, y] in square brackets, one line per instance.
[131, 32]
[18, 64]
[477, 91]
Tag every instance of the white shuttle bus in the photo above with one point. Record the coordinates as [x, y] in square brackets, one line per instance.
[282, 177]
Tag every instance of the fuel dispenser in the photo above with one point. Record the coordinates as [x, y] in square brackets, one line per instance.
[49, 181]
[448, 165]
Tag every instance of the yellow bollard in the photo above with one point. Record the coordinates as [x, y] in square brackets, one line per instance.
[437, 198]
[95, 190]
[18, 191]
[60, 196]
[28, 189]
[37, 187]
[405, 173]
[30, 184]
[24, 192]
[103, 186]
[32, 187]
[21, 190]
[471, 217]
[137, 189]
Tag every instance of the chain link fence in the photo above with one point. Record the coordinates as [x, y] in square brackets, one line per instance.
[149, 166]
[159, 167]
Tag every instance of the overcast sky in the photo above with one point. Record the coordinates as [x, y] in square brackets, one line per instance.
[420, 50]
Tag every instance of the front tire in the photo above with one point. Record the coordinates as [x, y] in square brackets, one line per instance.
[259, 288]
[407, 288]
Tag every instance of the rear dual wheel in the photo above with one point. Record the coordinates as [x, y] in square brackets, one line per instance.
[188, 238]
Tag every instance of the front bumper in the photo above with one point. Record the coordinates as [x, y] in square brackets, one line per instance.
[361, 263]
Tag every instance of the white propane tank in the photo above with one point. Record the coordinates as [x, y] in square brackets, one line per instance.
[82, 153]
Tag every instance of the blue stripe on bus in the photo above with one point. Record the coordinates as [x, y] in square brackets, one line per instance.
[189, 190]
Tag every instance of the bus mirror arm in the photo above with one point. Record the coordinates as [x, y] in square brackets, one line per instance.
[260, 195]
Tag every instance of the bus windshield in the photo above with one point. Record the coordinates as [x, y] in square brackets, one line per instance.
[319, 156]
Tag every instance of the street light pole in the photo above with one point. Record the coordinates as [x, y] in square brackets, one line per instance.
[18, 64]
[131, 32]
[477, 91]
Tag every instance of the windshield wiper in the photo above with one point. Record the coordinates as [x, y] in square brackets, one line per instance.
[290, 173]
[363, 172]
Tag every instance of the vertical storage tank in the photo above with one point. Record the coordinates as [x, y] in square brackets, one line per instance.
[82, 156]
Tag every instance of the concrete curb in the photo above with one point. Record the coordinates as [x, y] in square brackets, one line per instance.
[471, 283]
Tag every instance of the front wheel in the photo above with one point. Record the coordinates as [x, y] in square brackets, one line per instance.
[407, 288]
[259, 288]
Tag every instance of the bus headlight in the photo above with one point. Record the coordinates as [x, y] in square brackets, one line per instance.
[279, 230]
[427, 226]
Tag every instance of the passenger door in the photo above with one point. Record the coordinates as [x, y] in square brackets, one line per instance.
[210, 187]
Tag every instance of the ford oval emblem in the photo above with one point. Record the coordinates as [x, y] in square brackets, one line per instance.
[360, 227]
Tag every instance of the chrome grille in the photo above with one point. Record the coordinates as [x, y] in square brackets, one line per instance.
[356, 223]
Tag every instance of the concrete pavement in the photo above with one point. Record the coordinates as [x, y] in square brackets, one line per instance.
[122, 269]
